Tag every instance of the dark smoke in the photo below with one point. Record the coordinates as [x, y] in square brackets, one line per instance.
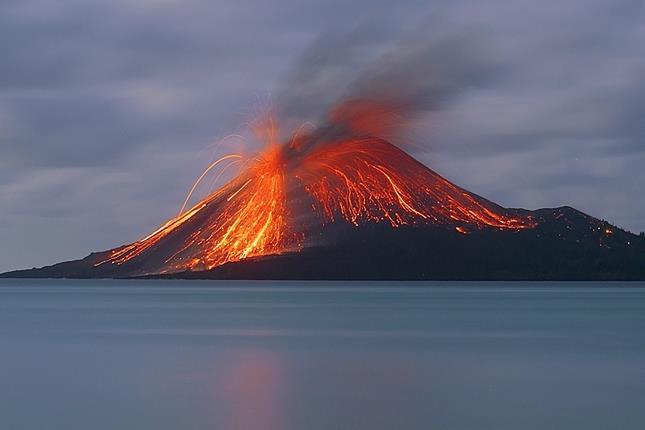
[346, 77]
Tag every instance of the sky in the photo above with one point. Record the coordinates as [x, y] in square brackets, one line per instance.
[110, 109]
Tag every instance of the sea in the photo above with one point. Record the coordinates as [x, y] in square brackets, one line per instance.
[182, 355]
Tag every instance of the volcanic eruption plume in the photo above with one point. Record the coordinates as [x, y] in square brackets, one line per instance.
[342, 171]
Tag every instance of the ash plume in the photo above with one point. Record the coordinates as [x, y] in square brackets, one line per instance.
[349, 79]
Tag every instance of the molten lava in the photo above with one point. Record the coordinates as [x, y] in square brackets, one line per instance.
[343, 176]
[369, 180]
[245, 218]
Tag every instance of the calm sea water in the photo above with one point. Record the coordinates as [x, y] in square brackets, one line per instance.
[307, 356]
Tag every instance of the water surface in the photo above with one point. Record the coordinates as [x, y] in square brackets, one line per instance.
[307, 356]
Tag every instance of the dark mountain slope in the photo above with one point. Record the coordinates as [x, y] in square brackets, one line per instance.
[566, 245]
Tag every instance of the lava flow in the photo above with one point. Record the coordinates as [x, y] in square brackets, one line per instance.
[369, 180]
[245, 218]
[343, 176]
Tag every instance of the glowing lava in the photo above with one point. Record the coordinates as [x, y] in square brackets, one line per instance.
[344, 178]
[245, 218]
[369, 180]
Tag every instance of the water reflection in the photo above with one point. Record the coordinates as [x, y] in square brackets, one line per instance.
[251, 390]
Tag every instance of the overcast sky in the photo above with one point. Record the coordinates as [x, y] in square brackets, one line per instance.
[109, 108]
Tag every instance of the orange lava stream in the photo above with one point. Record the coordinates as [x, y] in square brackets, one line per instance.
[369, 180]
[249, 220]
[251, 223]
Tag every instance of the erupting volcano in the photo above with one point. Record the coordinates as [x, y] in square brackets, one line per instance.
[339, 202]
[289, 192]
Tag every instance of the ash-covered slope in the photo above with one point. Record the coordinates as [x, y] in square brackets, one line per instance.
[361, 208]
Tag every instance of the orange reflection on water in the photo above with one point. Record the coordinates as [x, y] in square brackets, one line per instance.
[252, 389]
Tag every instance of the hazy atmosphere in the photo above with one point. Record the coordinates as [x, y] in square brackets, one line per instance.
[109, 109]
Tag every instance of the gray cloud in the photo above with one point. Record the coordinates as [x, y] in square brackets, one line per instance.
[107, 108]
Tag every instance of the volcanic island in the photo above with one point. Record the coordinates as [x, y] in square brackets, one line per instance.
[340, 204]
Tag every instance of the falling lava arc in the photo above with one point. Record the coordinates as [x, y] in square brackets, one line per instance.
[291, 192]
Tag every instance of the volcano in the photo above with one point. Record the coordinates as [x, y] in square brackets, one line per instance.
[325, 206]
